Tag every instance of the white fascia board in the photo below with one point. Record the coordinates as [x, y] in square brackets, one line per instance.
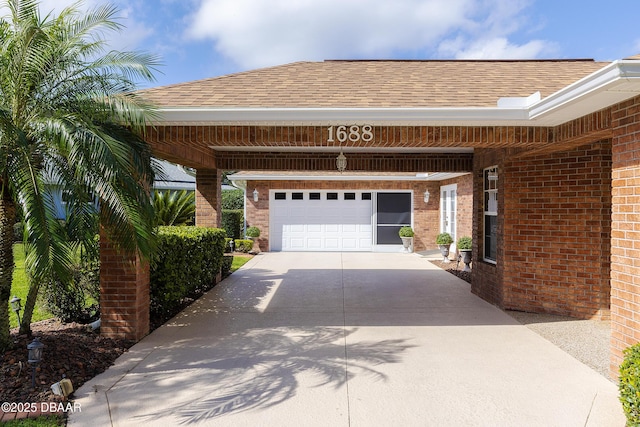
[614, 83]
[338, 116]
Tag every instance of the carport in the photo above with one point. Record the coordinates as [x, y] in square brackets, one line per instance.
[558, 138]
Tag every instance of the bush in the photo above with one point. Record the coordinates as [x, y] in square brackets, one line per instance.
[406, 231]
[185, 265]
[18, 230]
[465, 243]
[243, 245]
[227, 262]
[68, 301]
[253, 232]
[629, 385]
[232, 222]
[444, 239]
[232, 200]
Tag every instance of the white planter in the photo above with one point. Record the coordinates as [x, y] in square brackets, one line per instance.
[407, 243]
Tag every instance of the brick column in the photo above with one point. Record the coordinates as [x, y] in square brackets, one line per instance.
[625, 233]
[208, 191]
[124, 293]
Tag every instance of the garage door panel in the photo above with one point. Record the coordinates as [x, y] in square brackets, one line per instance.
[329, 225]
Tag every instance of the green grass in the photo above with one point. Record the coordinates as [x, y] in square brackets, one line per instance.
[239, 262]
[45, 421]
[20, 288]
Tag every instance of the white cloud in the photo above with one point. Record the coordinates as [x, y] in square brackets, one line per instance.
[255, 33]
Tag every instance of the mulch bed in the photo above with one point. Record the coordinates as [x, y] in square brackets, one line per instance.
[70, 350]
[455, 269]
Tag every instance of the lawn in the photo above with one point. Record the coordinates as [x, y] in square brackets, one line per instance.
[20, 287]
[239, 261]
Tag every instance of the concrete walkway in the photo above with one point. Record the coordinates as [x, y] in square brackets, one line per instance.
[342, 339]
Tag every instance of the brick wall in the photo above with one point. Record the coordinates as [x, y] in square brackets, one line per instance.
[426, 215]
[487, 277]
[557, 229]
[625, 233]
[124, 294]
[208, 189]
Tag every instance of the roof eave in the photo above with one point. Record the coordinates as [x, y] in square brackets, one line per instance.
[612, 84]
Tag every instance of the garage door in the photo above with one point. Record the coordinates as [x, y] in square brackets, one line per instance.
[320, 221]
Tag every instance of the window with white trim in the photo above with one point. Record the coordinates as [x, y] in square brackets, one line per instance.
[490, 223]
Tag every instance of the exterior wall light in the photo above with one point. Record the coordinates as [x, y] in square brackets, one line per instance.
[426, 196]
[341, 162]
[255, 194]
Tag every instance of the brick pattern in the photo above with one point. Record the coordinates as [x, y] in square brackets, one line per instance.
[557, 230]
[625, 239]
[487, 277]
[426, 215]
[124, 293]
[208, 189]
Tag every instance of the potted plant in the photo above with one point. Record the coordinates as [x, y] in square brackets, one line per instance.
[444, 240]
[406, 234]
[465, 244]
[253, 233]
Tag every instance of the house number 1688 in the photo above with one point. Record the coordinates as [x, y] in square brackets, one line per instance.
[351, 133]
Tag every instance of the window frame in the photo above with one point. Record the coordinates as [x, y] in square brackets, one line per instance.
[489, 209]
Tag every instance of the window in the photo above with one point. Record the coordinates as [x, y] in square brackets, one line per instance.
[366, 196]
[490, 231]
[314, 196]
[349, 196]
[297, 196]
[281, 196]
[332, 196]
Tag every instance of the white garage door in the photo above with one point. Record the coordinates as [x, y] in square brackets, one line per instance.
[320, 221]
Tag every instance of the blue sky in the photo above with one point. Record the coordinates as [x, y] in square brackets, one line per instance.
[198, 39]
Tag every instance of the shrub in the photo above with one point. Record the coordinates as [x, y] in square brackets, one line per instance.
[465, 243]
[174, 207]
[444, 239]
[185, 265]
[406, 232]
[68, 301]
[18, 230]
[227, 262]
[629, 385]
[243, 245]
[232, 221]
[253, 232]
[232, 199]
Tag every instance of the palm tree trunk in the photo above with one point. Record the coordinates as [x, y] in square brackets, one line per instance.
[7, 220]
[32, 296]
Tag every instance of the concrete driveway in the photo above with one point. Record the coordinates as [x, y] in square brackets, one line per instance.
[346, 339]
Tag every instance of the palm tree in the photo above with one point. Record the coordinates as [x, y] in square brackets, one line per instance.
[174, 207]
[67, 112]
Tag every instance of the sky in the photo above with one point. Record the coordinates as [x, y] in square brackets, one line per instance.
[197, 39]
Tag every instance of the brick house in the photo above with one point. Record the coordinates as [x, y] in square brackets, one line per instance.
[543, 157]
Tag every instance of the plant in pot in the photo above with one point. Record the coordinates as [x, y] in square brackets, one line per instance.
[406, 234]
[444, 240]
[464, 245]
[253, 233]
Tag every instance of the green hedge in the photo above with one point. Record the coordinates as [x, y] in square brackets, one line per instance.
[629, 385]
[186, 263]
[232, 221]
[232, 199]
[242, 245]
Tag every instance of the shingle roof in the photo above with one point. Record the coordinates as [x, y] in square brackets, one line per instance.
[377, 83]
